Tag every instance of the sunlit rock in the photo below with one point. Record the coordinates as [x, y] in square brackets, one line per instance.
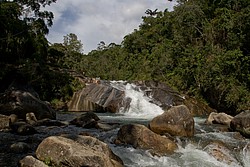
[97, 97]
[77, 151]
[177, 121]
[241, 123]
[139, 136]
[219, 118]
[30, 161]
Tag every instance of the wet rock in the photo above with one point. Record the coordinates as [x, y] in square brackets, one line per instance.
[220, 152]
[30, 161]
[177, 121]
[21, 102]
[50, 122]
[22, 128]
[86, 120]
[219, 118]
[19, 147]
[4, 122]
[77, 151]
[139, 136]
[241, 123]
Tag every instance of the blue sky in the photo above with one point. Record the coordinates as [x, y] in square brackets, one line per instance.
[100, 20]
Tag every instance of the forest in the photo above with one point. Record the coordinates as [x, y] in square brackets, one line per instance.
[201, 49]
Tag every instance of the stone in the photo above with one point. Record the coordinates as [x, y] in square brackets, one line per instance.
[220, 152]
[4, 122]
[77, 151]
[97, 97]
[219, 118]
[241, 123]
[177, 121]
[21, 102]
[139, 136]
[22, 128]
[19, 147]
[31, 118]
[86, 120]
[30, 161]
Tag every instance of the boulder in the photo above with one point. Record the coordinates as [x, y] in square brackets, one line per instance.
[139, 136]
[97, 97]
[77, 151]
[30, 161]
[241, 123]
[86, 120]
[177, 121]
[22, 128]
[19, 147]
[220, 152]
[219, 118]
[160, 93]
[21, 102]
[4, 122]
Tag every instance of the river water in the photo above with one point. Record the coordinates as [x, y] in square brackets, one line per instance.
[192, 152]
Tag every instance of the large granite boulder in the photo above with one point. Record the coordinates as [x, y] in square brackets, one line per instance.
[177, 121]
[219, 118]
[21, 102]
[77, 151]
[98, 97]
[139, 136]
[241, 123]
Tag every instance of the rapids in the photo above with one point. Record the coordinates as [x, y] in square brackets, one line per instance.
[192, 152]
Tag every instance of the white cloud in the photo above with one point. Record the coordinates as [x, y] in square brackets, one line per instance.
[102, 20]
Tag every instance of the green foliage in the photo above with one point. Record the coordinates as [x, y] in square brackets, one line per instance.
[201, 48]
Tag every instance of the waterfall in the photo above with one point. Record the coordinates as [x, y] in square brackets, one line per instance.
[140, 105]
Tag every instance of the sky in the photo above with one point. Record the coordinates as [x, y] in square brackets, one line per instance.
[100, 20]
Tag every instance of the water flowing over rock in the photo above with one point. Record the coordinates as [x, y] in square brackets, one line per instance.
[241, 123]
[115, 96]
[176, 121]
[20, 102]
[139, 136]
[77, 151]
[219, 118]
[220, 152]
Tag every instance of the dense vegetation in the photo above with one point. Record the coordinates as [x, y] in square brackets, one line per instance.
[201, 48]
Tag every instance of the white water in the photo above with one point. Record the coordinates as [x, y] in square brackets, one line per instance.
[192, 154]
[140, 105]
